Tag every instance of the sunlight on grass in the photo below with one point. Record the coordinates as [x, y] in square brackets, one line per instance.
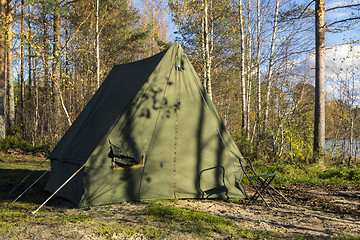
[199, 224]
[153, 219]
[312, 174]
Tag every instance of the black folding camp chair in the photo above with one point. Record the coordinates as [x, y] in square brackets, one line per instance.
[260, 182]
[219, 188]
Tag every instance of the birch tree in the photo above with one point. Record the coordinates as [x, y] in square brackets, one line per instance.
[269, 78]
[3, 25]
[258, 76]
[244, 121]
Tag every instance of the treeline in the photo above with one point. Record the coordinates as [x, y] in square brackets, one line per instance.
[255, 58]
[58, 52]
[252, 56]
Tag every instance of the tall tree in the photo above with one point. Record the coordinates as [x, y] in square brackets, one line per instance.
[10, 101]
[3, 64]
[244, 112]
[22, 66]
[258, 67]
[207, 44]
[269, 78]
[319, 125]
[97, 43]
[56, 64]
[320, 28]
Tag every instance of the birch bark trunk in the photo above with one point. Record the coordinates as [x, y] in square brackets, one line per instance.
[258, 77]
[244, 121]
[271, 63]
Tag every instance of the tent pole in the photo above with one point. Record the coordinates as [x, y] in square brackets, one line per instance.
[31, 185]
[26, 177]
[58, 189]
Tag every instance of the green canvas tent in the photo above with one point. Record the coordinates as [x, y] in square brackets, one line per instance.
[149, 132]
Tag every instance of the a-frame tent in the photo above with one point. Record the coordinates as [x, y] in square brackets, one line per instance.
[149, 132]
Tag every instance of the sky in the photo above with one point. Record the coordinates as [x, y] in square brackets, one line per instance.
[340, 60]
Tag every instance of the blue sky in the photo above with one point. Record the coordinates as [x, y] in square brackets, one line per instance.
[339, 58]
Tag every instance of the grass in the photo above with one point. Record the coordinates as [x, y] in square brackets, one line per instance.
[150, 219]
[312, 174]
[154, 219]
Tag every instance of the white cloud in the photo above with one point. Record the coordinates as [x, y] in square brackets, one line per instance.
[343, 72]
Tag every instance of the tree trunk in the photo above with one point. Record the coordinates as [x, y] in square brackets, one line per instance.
[30, 106]
[258, 79]
[46, 120]
[22, 68]
[319, 125]
[244, 119]
[351, 140]
[249, 71]
[2, 67]
[97, 33]
[207, 60]
[271, 63]
[56, 70]
[10, 101]
[36, 106]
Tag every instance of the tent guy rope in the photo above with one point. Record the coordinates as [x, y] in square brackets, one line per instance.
[32, 185]
[26, 177]
[58, 189]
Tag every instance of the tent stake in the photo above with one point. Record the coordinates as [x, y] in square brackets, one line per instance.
[31, 185]
[26, 177]
[58, 189]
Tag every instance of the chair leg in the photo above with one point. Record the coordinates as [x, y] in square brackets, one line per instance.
[257, 193]
[275, 190]
[265, 188]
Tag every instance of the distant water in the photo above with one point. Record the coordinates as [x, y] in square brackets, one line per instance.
[342, 146]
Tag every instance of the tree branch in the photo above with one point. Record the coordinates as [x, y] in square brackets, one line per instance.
[342, 30]
[76, 31]
[307, 6]
[344, 6]
[344, 43]
[340, 21]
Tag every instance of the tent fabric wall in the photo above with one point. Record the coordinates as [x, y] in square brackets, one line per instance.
[156, 115]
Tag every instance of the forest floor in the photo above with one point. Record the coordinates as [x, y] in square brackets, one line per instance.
[315, 212]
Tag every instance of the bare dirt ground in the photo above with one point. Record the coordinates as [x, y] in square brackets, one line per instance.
[315, 212]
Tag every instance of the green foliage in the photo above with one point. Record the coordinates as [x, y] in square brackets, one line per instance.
[243, 143]
[311, 174]
[341, 173]
[15, 141]
[295, 13]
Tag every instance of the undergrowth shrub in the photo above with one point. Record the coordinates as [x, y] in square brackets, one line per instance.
[15, 141]
[310, 174]
[341, 172]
